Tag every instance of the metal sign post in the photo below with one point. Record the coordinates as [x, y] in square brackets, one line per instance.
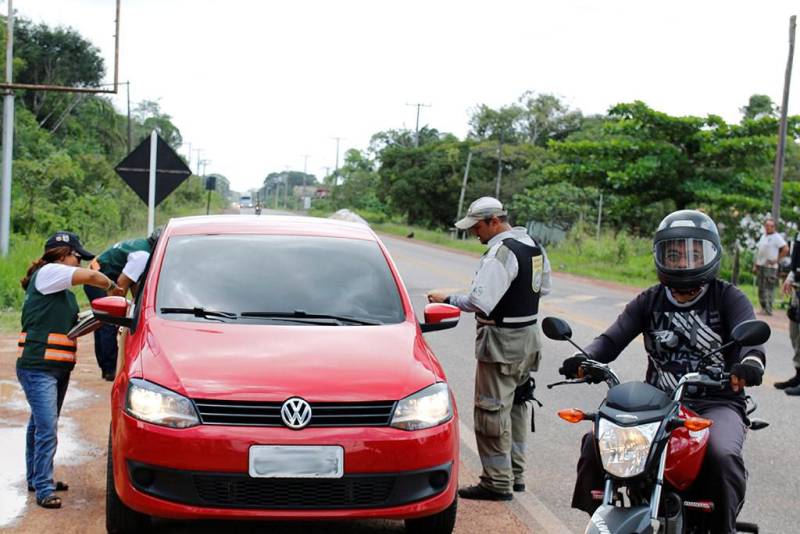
[151, 193]
[8, 140]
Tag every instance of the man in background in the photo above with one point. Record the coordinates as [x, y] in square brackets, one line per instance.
[771, 247]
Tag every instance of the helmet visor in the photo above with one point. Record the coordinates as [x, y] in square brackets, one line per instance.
[685, 253]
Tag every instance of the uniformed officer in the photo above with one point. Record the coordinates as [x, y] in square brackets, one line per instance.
[512, 275]
[46, 355]
[790, 287]
[124, 262]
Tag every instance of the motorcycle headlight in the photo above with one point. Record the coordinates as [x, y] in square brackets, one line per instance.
[155, 404]
[624, 450]
[424, 409]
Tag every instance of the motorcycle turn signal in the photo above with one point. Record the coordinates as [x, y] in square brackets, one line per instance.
[573, 415]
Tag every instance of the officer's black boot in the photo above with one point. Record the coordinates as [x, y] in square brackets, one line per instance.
[792, 382]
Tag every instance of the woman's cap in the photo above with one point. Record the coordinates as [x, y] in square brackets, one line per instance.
[68, 239]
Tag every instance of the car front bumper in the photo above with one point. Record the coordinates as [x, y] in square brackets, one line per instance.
[202, 472]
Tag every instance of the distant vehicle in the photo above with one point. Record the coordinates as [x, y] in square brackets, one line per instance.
[245, 201]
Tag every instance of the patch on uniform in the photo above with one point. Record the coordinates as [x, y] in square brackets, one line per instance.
[537, 263]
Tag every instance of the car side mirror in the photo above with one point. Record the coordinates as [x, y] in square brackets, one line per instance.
[752, 332]
[556, 328]
[112, 310]
[440, 316]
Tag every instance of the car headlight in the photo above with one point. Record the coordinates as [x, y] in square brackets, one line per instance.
[424, 409]
[624, 449]
[154, 404]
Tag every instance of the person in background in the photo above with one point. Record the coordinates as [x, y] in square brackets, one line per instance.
[124, 262]
[771, 247]
[791, 288]
[513, 274]
[46, 356]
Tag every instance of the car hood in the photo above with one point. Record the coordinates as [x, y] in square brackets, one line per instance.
[272, 363]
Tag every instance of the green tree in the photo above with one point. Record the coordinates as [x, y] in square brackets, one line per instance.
[759, 106]
[53, 56]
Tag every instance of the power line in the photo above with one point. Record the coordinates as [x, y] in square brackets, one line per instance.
[418, 106]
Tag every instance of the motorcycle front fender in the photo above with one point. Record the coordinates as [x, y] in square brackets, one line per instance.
[610, 519]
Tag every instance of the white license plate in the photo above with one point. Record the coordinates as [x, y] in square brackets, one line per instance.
[296, 461]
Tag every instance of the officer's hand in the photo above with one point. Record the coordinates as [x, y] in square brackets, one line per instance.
[747, 373]
[437, 296]
[571, 368]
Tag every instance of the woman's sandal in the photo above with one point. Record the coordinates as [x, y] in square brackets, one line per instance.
[51, 501]
[60, 486]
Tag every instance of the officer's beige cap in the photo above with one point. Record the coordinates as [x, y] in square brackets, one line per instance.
[483, 208]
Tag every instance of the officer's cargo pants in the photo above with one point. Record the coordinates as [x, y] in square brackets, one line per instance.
[501, 427]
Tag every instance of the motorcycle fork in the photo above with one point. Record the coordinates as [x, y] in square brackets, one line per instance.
[655, 498]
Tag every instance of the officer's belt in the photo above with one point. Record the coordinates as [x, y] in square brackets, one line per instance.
[508, 322]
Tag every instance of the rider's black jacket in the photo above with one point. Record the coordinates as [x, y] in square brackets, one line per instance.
[677, 335]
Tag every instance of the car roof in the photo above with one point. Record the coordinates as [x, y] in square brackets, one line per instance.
[268, 224]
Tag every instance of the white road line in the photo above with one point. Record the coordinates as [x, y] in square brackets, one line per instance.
[546, 519]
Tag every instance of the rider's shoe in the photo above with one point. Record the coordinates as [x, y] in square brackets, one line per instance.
[483, 494]
[519, 486]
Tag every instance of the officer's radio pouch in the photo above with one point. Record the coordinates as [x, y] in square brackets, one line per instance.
[525, 393]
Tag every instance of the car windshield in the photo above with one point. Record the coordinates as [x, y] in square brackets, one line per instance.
[297, 280]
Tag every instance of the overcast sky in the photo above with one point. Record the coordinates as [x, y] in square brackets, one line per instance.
[258, 84]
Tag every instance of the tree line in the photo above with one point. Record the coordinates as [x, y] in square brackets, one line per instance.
[554, 164]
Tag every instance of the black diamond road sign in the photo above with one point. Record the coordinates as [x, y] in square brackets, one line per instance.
[170, 170]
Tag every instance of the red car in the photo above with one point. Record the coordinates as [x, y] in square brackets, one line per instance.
[273, 368]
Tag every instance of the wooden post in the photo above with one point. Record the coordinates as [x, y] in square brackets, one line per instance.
[779, 155]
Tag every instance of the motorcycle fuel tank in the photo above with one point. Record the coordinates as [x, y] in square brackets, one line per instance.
[686, 452]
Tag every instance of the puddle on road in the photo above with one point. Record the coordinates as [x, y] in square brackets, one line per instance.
[71, 449]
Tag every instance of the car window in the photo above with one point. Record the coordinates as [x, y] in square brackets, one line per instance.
[267, 274]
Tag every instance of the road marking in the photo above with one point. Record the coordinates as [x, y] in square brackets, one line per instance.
[542, 515]
[581, 298]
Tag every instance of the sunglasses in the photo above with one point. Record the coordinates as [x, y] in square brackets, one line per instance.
[77, 255]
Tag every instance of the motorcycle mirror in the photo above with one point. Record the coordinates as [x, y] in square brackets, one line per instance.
[752, 332]
[556, 328]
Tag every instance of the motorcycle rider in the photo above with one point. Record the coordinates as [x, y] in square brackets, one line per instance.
[688, 314]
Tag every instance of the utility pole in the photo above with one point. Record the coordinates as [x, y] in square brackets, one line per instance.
[286, 188]
[599, 216]
[189, 158]
[8, 139]
[416, 130]
[779, 156]
[305, 171]
[198, 151]
[130, 131]
[499, 167]
[336, 169]
[464, 186]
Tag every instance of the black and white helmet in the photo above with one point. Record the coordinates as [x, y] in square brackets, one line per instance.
[687, 250]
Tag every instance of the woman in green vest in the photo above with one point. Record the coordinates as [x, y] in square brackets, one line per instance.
[46, 355]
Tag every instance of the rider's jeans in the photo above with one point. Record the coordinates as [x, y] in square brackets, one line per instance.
[45, 393]
[723, 474]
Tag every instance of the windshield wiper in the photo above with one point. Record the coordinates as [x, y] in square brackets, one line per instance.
[302, 315]
[201, 312]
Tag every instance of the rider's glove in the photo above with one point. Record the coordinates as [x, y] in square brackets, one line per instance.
[749, 371]
[571, 365]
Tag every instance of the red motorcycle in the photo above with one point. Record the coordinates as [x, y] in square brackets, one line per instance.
[650, 443]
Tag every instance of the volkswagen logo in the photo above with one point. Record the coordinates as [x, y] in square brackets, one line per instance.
[296, 413]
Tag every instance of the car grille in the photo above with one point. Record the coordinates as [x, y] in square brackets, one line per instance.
[244, 492]
[219, 412]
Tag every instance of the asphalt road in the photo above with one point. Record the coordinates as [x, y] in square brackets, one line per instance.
[771, 454]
